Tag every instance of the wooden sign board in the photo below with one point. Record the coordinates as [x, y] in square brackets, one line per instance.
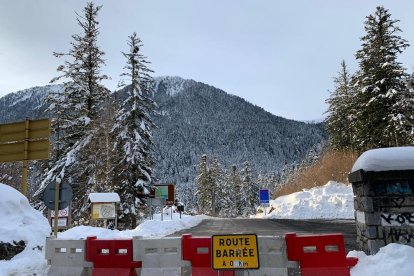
[37, 150]
[38, 129]
[238, 251]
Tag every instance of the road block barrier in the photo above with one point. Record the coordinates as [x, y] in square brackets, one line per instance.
[319, 255]
[67, 257]
[160, 257]
[197, 250]
[111, 257]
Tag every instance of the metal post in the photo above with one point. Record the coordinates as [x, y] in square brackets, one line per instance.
[55, 225]
[171, 212]
[116, 216]
[26, 156]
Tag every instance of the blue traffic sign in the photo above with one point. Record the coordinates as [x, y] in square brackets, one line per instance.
[264, 196]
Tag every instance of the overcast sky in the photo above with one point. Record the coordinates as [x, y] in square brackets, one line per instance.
[280, 55]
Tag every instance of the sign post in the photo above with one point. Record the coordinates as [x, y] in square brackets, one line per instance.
[24, 141]
[104, 207]
[264, 198]
[56, 197]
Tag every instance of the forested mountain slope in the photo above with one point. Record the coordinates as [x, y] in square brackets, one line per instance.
[194, 118]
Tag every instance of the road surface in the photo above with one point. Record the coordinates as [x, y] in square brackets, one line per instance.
[275, 227]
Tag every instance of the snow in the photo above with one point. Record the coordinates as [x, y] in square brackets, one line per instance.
[104, 197]
[392, 260]
[386, 159]
[19, 221]
[331, 201]
[147, 229]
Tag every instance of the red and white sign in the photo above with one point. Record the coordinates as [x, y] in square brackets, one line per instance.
[63, 217]
[61, 214]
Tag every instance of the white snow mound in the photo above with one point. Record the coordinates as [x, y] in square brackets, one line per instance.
[331, 201]
[147, 229]
[19, 221]
[392, 260]
[386, 159]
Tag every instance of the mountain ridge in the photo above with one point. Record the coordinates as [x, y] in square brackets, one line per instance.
[194, 118]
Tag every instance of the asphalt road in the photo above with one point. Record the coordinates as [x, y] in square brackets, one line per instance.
[275, 227]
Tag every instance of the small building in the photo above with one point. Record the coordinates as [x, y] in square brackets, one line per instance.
[104, 207]
[383, 185]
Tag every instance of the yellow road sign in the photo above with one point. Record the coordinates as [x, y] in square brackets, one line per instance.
[38, 129]
[235, 251]
[12, 152]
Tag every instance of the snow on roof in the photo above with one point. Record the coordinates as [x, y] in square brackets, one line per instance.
[104, 197]
[386, 159]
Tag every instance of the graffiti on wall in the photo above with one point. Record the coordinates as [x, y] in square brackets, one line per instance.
[403, 219]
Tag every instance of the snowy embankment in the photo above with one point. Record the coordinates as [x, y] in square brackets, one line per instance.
[147, 229]
[19, 221]
[332, 201]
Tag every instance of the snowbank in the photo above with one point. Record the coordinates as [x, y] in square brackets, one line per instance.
[392, 260]
[332, 201]
[147, 229]
[386, 159]
[19, 221]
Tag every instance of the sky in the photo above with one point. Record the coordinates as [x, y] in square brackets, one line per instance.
[279, 55]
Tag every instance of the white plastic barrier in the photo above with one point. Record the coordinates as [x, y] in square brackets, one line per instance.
[272, 258]
[67, 258]
[160, 257]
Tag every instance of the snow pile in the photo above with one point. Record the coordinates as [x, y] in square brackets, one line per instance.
[19, 221]
[393, 260]
[386, 159]
[147, 229]
[332, 201]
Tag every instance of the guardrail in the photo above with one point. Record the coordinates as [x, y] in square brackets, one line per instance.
[188, 255]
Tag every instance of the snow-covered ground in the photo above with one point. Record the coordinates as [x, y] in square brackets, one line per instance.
[19, 221]
[332, 201]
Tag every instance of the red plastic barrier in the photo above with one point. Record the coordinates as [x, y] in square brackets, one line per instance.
[111, 257]
[319, 255]
[197, 250]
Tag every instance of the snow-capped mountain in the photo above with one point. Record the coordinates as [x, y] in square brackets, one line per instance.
[194, 118]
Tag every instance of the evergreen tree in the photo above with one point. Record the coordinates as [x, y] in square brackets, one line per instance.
[339, 122]
[203, 191]
[249, 190]
[214, 174]
[380, 82]
[235, 183]
[76, 112]
[133, 131]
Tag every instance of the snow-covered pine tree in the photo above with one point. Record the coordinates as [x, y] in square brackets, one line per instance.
[249, 190]
[235, 191]
[133, 132]
[339, 121]
[81, 103]
[214, 178]
[203, 191]
[379, 83]
[227, 207]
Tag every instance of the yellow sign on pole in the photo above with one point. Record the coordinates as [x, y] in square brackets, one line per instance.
[38, 129]
[23, 141]
[235, 251]
[12, 152]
